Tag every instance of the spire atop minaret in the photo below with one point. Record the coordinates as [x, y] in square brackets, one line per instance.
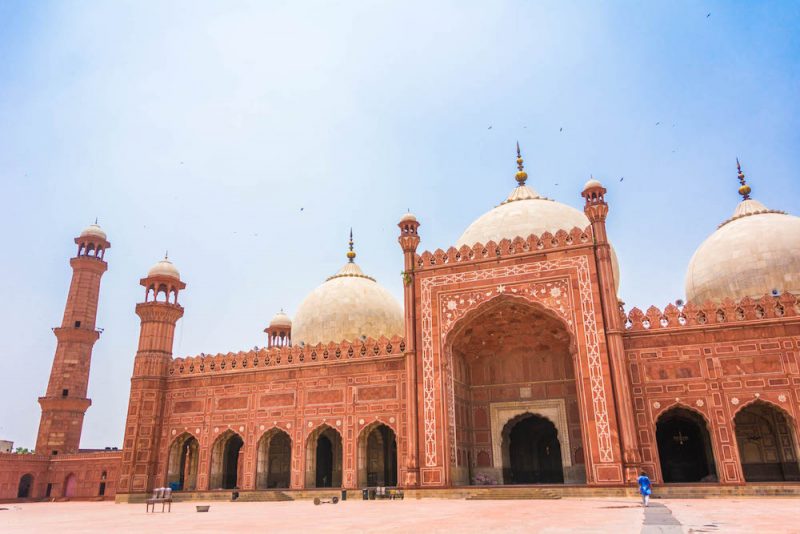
[521, 175]
[351, 255]
[744, 189]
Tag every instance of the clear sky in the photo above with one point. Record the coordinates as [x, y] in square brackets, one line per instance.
[247, 137]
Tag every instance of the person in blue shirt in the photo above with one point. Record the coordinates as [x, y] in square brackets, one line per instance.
[644, 488]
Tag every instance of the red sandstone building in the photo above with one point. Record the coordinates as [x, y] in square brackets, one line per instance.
[510, 361]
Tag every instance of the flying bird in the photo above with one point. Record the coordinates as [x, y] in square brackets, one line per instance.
[658, 123]
[561, 129]
[489, 128]
[708, 15]
[301, 209]
[621, 178]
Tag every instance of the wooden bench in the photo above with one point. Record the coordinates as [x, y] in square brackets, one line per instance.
[160, 495]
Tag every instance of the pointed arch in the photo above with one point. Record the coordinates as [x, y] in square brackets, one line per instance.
[25, 486]
[377, 455]
[766, 439]
[182, 462]
[274, 459]
[324, 457]
[225, 461]
[685, 448]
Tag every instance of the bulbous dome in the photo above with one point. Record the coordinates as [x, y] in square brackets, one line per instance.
[280, 319]
[346, 307]
[94, 230]
[523, 213]
[750, 255]
[164, 268]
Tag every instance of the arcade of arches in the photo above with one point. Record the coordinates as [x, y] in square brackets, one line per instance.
[514, 354]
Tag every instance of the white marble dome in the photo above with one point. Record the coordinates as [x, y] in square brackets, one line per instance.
[523, 213]
[164, 268]
[751, 254]
[94, 230]
[280, 319]
[346, 307]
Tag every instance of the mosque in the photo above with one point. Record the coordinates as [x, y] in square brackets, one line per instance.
[510, 361]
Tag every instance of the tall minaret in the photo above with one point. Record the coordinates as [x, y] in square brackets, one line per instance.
[159, 313]
[65, 402]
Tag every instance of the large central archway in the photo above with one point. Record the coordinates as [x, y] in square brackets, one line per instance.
[508, 357]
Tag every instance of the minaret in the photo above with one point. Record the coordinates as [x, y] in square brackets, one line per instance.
[65, 402]
[409, 241]
[596, 209]
[159, 313]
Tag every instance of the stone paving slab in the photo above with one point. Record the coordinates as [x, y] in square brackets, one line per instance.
[615, 515]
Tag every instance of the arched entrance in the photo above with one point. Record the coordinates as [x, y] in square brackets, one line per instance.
[274, 466]
[509, 357]
[767, 447]
[25, 485]
[324, 458]
[70, 485]
[225, 461]
[184, 454]
[531, 451]
[684, 447]
[377, 456]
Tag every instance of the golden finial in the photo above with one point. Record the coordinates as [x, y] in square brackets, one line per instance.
[95, 220]
[521, 175]
[744, 189]
[166, 254]
[351, 255]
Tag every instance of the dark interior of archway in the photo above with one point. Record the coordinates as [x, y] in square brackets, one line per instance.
[24, 489]
[535, 453]
[684, 447]
[230, 466]
[189, 447]
[280, 461]
[324, 462]
[766, 444]
[381, 457]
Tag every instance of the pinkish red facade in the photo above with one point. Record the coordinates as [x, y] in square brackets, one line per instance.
[518, 365]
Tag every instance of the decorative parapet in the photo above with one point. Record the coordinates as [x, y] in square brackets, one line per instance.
[505, 248]
[709, 314]
[281, 357]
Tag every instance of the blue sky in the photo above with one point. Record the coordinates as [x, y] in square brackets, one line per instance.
[205, 127]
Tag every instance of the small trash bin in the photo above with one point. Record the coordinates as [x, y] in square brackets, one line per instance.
[344, 495]
[372, 494]
[365, 494]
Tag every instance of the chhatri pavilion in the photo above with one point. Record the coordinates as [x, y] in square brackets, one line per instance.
[510, 361]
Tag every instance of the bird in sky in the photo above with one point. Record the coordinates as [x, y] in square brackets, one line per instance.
[622, 178]
[561, 129]
[489, 128]
[301, 209]
[708, 15]
[658, 123]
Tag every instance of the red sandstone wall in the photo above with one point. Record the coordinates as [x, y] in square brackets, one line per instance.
[87, 468]
[714, 368]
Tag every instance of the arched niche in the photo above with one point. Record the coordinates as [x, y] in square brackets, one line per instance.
[274, 463]
[324, 455]
[182, 463]
[767, 442]
[684, 447]
[377, 456]
[225, 461]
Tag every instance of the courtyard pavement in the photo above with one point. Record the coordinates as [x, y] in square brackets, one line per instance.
[616, 515]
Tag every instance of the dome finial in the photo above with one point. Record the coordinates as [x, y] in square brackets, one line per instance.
[351, 255]
[521, 175]
[166, 254]
[95, 220]
[744, 189]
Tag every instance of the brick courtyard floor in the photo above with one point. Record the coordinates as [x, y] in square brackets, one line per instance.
[418, 516]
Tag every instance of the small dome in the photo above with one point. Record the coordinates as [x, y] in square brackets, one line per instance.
[592, 183]
[164, 268]
[280, 319]
[750, 255]
[408, 217]
[346, 307]
[94, 230]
